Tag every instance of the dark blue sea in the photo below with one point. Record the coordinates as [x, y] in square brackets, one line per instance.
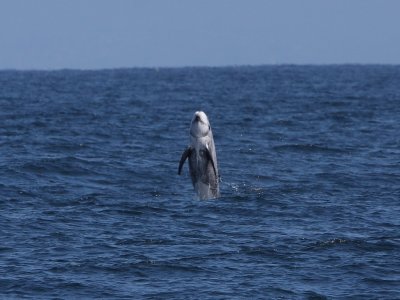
[92, 207]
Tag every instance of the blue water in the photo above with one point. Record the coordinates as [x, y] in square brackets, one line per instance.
[91, 205]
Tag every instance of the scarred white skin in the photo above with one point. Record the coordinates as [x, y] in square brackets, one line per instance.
[202, 158]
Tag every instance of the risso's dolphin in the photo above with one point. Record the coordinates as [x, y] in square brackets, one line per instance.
[202, 158]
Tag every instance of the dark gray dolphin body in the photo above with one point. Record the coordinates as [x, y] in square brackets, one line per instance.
[202, 157]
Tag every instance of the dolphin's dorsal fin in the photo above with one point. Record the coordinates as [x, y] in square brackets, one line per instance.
[185, 155]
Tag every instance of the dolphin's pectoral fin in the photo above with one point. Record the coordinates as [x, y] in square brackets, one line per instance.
[209, 157]
[185, 155]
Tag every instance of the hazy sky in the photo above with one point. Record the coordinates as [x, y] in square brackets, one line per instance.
[93, 34]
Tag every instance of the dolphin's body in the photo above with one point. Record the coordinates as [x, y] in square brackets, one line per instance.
[202, 158]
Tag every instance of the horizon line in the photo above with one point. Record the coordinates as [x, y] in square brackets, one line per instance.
[195, 67]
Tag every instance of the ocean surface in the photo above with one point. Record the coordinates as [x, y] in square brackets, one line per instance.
[92, 207]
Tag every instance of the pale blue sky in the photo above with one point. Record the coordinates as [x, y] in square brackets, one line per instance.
[94, 34]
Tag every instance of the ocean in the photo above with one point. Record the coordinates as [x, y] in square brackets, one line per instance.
[92, 207]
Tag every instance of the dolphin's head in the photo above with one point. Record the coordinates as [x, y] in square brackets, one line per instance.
[200, 126]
